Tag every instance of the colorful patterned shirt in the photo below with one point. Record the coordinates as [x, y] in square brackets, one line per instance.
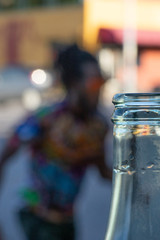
[62, 146]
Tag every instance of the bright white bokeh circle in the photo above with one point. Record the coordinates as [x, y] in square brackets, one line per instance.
[38, 76]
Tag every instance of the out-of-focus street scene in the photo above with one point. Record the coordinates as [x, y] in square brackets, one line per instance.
[121, 40]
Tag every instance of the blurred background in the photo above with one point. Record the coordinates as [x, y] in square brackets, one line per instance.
[125, 37]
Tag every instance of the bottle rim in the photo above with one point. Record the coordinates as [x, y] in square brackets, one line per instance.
[136, 98]
[136, 107]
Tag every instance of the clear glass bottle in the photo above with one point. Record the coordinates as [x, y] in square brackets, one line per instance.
[135, 205]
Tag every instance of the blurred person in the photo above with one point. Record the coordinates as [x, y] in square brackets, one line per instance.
[64, 139]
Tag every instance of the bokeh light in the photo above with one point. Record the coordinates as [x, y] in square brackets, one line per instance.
[38, 77]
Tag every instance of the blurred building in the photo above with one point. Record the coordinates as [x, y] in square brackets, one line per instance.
[32, 31]
[29, 30]
[104, 25]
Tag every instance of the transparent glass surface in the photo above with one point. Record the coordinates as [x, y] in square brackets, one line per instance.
[135, 206]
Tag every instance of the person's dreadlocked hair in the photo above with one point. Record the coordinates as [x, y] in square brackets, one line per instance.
[69, 63]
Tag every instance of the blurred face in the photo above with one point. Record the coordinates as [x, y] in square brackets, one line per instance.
[88, 89]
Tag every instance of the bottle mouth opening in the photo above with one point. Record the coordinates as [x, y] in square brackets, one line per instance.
[137, 99]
